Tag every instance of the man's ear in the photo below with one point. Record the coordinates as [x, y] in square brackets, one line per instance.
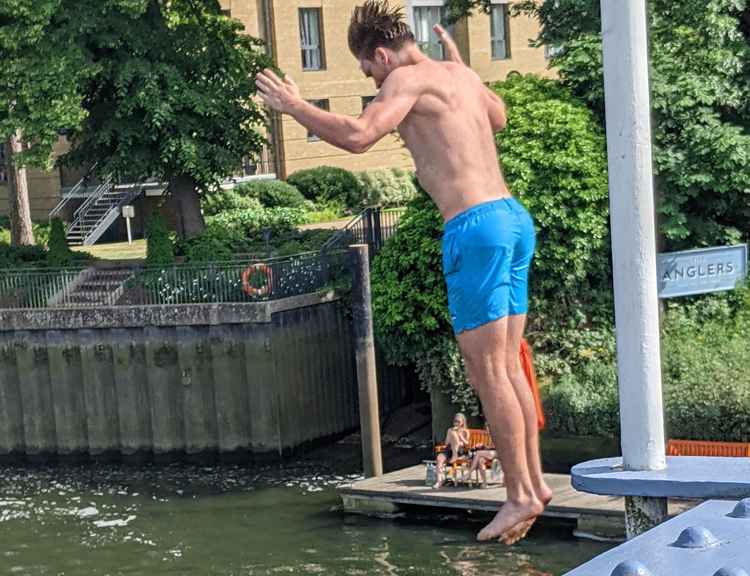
[381, 56]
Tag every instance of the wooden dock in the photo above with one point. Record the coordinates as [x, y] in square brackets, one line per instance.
[599, 516]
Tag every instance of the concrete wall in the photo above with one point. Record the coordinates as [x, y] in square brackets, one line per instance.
[169, 390]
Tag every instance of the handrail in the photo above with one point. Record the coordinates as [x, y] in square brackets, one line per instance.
[71, 193]
[98, 193]
[343, 231]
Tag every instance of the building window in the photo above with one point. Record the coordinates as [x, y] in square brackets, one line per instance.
[3, 166]
[323, 105]
[499, 24]
[366, 100]
[425, 17]
[552, 51]
[311, 38]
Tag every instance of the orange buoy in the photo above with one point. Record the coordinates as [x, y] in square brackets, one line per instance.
[263, 290]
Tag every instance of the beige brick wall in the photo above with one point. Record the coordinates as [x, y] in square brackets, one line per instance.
[44, 188]
[44, 193]
[342, 83]
[523, 58]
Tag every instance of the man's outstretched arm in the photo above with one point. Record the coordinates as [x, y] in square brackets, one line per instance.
[495, 104]
[396, 98]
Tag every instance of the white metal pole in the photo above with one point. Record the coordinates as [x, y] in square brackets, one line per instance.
[626, 84]
[130, 236]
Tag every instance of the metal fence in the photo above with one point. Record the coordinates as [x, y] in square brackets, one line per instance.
[373, 226]
[234, 281]
[34, 288]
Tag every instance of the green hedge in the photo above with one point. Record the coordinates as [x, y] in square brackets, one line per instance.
[241, 231]
[41, 231]
[329, 186]
[272, 193]
[159, 245]
[705, 376]
[219, 201]
[59, 254]
[387, 188]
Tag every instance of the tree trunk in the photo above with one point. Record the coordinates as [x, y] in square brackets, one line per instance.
[21, 232]
[186, 206]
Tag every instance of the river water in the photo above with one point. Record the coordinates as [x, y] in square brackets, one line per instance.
[237, 520]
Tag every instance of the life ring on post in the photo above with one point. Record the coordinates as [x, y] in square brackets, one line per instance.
[251, 290]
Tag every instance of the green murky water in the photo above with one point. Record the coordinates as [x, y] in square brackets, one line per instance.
[183, 520]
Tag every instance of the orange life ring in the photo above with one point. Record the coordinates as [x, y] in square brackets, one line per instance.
[251, 290]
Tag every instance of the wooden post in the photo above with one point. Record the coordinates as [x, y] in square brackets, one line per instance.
[364, 343]
[631, 197]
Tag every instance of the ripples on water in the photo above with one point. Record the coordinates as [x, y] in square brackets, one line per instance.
[111, 520]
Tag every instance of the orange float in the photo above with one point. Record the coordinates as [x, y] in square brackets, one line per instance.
[251, 290]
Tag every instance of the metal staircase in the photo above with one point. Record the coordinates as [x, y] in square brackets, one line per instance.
[99, 211]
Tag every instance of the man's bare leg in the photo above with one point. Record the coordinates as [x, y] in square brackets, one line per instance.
[439, 471]
[484, 352]
[516, 325]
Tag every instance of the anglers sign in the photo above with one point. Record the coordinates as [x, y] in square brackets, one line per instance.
[702, 270]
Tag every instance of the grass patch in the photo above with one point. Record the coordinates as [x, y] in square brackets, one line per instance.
[116, 251]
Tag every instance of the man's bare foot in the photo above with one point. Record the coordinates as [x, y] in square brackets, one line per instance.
[518, 532]
[511, 514]
[439, 484]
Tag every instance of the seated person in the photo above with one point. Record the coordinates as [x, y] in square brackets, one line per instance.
[456, 446]
[478, 462]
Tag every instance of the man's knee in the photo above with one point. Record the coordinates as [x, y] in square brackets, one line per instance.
[513, 367]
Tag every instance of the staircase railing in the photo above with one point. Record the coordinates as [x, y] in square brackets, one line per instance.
[373, 226]
[103, 224]
[70, 194]
[88, 231]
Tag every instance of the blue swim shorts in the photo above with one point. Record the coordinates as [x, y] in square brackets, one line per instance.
[487, 252]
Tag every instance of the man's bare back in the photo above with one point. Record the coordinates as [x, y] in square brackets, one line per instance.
[443, 111]
[449, 135]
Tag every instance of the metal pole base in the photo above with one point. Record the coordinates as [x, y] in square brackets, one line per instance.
[643, 513]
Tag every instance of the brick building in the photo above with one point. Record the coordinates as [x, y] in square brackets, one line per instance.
[308, 40]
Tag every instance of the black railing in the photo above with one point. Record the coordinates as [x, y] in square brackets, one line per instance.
[211, 282]
[373, 226]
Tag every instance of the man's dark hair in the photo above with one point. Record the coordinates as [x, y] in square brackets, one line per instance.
[375, 25]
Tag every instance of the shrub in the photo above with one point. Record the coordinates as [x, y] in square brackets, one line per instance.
[272, 193]
[159, 246]
[328, 186]
[59, 254]
[554, 160]
[241, 231]
[387, 188]
[705, 376]
[215, 244]
[21, 256]
[553, 157]
[219, 201]
[251, 222]
[40, 229]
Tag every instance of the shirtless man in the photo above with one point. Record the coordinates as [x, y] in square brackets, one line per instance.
[446, 116]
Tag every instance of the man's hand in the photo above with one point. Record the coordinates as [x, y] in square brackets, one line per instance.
[277, 94]
[451, 50]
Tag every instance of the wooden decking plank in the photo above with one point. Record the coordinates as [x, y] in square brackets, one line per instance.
[407, 486]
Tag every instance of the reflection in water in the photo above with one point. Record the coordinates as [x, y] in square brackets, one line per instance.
[238, 521]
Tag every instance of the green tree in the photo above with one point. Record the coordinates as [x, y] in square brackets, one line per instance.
[700, 84]
[59, 253]
[39, 91]
[159, 246]
[171, 99]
